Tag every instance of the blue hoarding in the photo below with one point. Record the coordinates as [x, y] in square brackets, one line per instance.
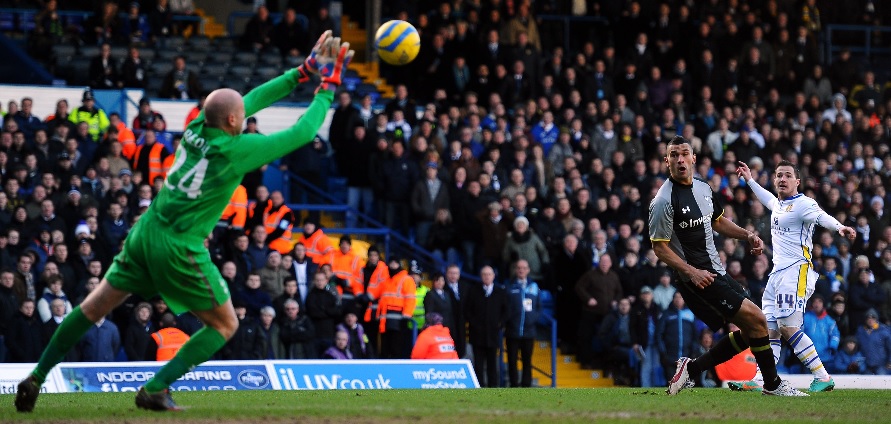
[344, 375]
[129, 377]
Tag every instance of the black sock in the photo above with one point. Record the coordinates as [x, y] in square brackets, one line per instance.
[727, 348]
[764, 357]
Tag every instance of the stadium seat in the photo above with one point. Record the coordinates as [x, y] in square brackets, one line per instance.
[219, 58]
[199, 43]
[271, 59]
[64, 51]
[246, 58]
[147, 54]
[195, 57]
[210, 82]
[160, 69]
[216, 70]
[223, 44]
[89, 51]
[79, 71]
[120, 53]
[241, 71]
[167, 55]
[174, 43]
[267, 72]
[154, 86]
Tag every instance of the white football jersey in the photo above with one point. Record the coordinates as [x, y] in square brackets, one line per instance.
[792, 223]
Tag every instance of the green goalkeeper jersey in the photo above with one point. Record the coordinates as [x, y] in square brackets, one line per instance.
[210, 163]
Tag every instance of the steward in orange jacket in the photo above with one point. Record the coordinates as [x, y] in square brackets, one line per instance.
[126, 138]
[235, 214]
[278, 220]
[169, 339]
[396, 307]
[435, 342]
[347, 267]
[376, 274]
[318, 247]
[149, 158]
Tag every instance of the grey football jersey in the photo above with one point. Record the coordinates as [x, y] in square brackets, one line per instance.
[682, 215]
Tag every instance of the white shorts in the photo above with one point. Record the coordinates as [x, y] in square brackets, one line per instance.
[786, 295]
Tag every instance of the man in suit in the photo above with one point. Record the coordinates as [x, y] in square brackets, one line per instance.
[570, 263]
[457, 290]
[486, 312]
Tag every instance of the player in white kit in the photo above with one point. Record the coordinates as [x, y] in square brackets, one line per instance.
[793, 217]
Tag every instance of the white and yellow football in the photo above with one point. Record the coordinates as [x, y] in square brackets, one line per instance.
[397, 42]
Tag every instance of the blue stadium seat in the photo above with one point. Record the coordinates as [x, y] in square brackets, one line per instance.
[271, 59]
[199, 43]
[80, 71]
[245, 57]
[195, 57]
[160, 69]
[7, 21]
[89, 51]
[267, 72]
[350, 83]
[241, 71]
[167, 55]
[120, 53]
[147, 54]
[216, 70]
[210, 82]
[219, 58]
[27, 22]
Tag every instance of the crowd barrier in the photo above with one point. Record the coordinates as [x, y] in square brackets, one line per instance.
[94, 377]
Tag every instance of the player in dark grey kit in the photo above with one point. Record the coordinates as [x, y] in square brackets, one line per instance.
[684, 216]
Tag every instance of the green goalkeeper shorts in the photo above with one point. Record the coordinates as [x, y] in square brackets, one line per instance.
[155, 261]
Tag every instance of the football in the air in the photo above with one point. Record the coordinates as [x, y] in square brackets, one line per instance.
[397, 42]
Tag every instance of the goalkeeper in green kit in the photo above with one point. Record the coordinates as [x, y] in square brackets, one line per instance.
[164, 254]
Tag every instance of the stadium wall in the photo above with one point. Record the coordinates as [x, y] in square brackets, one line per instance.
[126, 101]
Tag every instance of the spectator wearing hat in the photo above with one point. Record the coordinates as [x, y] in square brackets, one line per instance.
[428, 196]
[676, 334]
[644, 318]
[145, 117]
[663, 293]
[875, 343]
[524, 244]
[435, 341]
[96, 119]
[135, 27]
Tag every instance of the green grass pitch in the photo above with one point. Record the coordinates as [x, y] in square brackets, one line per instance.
[465, 406]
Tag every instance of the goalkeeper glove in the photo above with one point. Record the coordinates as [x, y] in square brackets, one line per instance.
[332, 73]
[311, 64]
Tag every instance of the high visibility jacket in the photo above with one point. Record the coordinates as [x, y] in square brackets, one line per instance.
[319, 248]
[375, 288]
[278, 222]
[167, 163]
[235, 213]
[155, 161]
[348, 267]
[435, 342]
[397, 299]
[192, 115]
[739, 368]
[95, 118]
[169, 341]
[419, 314]
[127, 140]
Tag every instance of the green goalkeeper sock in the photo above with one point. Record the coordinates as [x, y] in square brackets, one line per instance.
[198, 349]
[73, 327]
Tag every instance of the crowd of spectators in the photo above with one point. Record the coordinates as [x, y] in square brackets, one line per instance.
[523, 152]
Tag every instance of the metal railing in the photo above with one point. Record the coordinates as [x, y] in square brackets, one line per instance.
[867, 47]
[552, 323]
[394, 242]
